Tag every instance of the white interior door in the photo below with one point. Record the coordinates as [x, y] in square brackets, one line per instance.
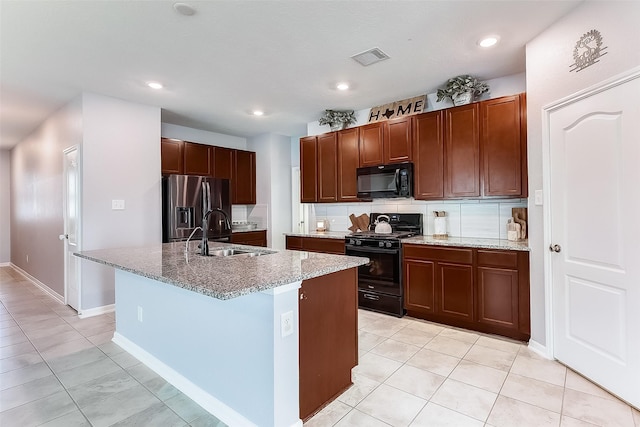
[595, 235]
[71, 237]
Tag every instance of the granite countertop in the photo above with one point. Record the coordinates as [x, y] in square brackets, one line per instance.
[322, 234]
[470, 242]
[221, 277]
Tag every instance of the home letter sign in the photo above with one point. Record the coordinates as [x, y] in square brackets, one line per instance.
[406, 107]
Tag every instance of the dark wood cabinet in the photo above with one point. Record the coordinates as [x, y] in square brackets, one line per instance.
[328, 338]
[385, 142]
[397, 140]
[502, 145]
[480, 289]
[251, 238]
[197, 159]
[171, 156]
[503, 292]
[462, 152]
[316, 244]
[243, 183]
[222, 161]
[327, 150]
[428, 155]
[348, 161]
[371, 144]
[308, 170]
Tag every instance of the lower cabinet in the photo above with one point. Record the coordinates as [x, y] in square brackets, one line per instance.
[251, 238]
[316, 244]
[328, 319]
[483, 290]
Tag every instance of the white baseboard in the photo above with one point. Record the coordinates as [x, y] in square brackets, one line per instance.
[39, 284]
[226, 414]
[5, 264]
[540, 349]
[83, 314]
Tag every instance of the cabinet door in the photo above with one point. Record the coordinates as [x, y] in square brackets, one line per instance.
[397, 140]
[501, 147]
[323, 245]
[244, 178]
[419, 285]
[428, 155]
[462, 148]
[294, 243]
[308, 170]
[371, 144]
[348, 160]
[222, 161]
[498, 297]
[171, 156]
[327, 175]
[455, 293]
[197, 159]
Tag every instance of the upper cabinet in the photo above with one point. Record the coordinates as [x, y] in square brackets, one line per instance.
[308, 170]
[197, 159]
[385, 142]
[462, 151]
[327, 171]
[428, 155]
[188, 158]
[503, 147]
[243, 184]
[473, 151]
[172, 156]
[348, 161]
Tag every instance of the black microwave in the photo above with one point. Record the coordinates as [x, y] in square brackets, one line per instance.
[385, 181]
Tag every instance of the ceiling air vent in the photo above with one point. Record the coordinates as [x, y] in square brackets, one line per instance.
[370, 56]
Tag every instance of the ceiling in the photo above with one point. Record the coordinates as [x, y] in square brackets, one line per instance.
[231, 57]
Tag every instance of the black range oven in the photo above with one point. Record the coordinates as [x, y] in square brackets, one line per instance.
[380, 281]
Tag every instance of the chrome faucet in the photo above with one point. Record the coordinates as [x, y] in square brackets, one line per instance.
[227, 223]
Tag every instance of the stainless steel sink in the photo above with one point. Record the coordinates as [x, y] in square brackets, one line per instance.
[232, 252]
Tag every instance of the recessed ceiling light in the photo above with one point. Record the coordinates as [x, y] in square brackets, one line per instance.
[184, 9]
[258, 113]
[489, 41]
[342, 86]
[154, 85]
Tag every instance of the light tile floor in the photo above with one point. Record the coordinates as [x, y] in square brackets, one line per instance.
[416, 373]
[58, 370]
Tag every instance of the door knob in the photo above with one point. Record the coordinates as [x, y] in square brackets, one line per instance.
[63, 236]
[555, 248]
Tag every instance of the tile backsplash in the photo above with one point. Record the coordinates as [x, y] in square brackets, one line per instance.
[465, 218]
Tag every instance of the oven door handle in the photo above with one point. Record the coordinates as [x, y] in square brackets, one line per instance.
[369, 249]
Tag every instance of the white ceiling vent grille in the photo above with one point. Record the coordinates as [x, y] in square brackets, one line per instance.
[370, 56]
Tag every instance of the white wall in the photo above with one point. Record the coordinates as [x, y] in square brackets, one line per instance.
[36, 196]
[503, 86]
[120, 160]
[273, 186]
[203, 137]
[548, 79]
[5, 206]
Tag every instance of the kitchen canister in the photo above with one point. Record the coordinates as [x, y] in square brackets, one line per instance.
[513, 230]
[440, 225]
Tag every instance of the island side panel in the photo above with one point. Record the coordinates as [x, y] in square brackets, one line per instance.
[328, 338]
[226, 348]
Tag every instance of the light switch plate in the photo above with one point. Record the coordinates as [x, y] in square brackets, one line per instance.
[538, 198]
[117, 205]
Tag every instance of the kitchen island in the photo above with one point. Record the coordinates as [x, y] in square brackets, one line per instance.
[225, 330]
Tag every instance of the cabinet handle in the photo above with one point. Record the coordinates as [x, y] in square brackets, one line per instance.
[371, 297]
[555, 248]
[303, 296]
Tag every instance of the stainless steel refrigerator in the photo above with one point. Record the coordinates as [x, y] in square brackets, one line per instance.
[186, 198]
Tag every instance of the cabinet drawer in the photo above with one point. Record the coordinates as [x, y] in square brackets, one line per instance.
[329, 246]
[459, 255]
[506, 259]
[294, 243]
